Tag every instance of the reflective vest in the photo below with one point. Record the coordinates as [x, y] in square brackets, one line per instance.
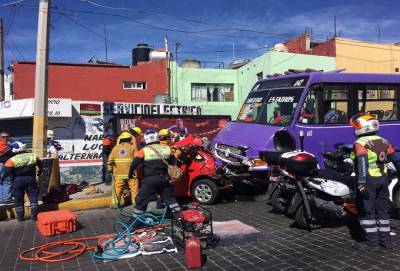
[163, 150]
[22, 160]
[377, 153]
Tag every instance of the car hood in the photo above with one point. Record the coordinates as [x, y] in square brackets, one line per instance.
[255, 137]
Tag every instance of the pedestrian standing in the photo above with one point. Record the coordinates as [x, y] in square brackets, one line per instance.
[372, 153]
[5, 154]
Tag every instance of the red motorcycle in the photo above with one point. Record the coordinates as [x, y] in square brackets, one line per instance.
[200, 180]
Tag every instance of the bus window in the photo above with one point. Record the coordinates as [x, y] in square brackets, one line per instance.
[380, 100]
[335, 104]
[309, 114]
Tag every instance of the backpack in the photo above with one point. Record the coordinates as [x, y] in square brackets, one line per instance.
[175, 172]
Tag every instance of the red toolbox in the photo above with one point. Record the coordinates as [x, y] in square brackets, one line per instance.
[56, 222]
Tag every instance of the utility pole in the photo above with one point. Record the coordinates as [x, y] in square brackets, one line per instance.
[39, 138]
[2, 94]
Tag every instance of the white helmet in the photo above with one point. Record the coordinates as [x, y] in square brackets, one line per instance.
[151, 136]
[50, 134]
[18, 147]
[364, 124]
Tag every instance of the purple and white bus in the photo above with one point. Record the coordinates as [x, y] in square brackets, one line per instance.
[317, 103]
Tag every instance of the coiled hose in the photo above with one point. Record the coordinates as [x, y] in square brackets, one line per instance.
[125, 239]
[122, 242]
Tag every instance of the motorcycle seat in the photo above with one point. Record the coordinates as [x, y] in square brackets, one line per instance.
[337, 176]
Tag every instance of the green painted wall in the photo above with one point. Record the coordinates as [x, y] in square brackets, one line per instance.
[243, 78]
[182, 79]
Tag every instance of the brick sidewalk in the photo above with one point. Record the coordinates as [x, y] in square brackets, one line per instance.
[280, 246]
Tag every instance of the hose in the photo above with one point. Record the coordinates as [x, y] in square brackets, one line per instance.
[109, 248]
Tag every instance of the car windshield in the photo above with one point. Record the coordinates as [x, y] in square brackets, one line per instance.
[272, 107]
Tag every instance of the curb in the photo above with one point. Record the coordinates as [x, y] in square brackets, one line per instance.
[8, 212]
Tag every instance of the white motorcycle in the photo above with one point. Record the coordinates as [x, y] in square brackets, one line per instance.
[331, 192]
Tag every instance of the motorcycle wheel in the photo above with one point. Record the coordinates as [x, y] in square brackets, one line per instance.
[205, 191]
[277, 201]
[301, 220]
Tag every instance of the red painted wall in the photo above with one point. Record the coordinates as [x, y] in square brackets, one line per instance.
[94, 82]
[327, 48]
[297, 45]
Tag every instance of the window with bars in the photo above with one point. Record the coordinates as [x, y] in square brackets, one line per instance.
[133, 85]
[203, 92]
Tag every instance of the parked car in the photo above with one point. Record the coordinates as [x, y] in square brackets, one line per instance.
[200, 180]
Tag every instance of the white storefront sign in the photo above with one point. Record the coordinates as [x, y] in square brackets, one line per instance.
[24, 108]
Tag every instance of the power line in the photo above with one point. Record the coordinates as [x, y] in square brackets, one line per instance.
[225, 28]
[10, 21]
[223, 51]
[91, 31]
[197, 32]
[16, 51]
[12, 51]
[12, 3]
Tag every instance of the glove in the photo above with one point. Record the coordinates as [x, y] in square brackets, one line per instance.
[362, 190]
[132, 176]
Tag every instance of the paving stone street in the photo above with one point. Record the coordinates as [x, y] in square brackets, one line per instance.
[280, 246]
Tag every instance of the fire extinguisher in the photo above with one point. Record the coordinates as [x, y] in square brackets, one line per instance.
[193, 253]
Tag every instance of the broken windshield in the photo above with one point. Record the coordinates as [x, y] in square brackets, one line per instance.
[272, 107]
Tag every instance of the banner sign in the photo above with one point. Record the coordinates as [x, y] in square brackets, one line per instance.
[150, 109]
[208, 126]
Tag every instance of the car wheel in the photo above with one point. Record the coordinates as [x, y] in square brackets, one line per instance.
[205, 191]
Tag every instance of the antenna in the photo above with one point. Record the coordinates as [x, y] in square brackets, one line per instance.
[378, 27]
[233, 50]
[91, 60]
[334, 26]
[105, 42]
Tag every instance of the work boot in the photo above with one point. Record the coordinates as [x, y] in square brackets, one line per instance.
[365, 246]
[386, 244]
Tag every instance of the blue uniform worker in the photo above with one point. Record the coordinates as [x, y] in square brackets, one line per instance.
[22, 169]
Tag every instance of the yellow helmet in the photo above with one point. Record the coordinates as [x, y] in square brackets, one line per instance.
[137, 130]
[164, 133]
[125, 135]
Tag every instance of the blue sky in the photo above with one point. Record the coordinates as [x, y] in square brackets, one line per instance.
[77, 27]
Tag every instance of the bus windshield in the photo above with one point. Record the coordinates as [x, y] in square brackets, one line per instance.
[272, 106]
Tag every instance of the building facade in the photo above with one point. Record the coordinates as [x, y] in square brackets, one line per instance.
[351, 55]
[222, 91]
[91, 82]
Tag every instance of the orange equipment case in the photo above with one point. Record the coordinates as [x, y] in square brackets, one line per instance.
[56, 222]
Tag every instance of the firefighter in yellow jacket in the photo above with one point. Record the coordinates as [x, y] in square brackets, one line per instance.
[119, 161]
